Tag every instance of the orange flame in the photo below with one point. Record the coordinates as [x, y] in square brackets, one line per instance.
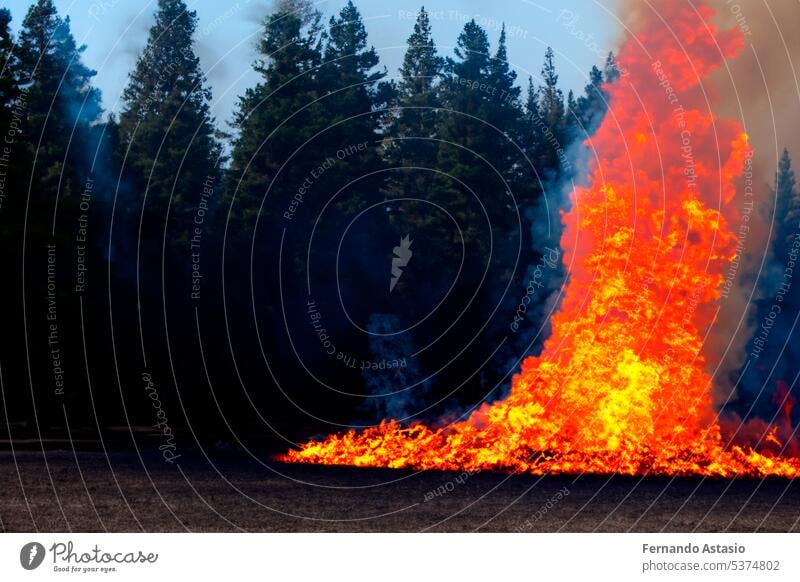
[621, 385]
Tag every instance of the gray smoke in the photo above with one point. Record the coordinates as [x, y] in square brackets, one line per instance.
[759, 88]
[393, 379]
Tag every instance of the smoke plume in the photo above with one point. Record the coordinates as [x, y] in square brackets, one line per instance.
[760, 87]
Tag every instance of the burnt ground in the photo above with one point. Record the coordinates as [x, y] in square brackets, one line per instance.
[89, 491]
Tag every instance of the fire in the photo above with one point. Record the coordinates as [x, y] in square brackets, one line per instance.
[621, 386]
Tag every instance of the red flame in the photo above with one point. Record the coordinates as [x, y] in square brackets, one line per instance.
[621, 385]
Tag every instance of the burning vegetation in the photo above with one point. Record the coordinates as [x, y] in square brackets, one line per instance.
[622, 385]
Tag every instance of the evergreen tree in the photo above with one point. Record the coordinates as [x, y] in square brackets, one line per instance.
[592, 105]
[61, 105]
[354, 94]
[349, 68]
[571, 114]
[787, 207]
[550, 125]
[9, 89]
[532, 139]
[466, 94]
[500, 72]
[11, 114]
[505, 114]
[170, 175]
[412, 128]
[271, 188]
[773, 357]
[57, 113]
[166, 127]
[276, 117]
[480, 130]
[532, 111]
[611, 70]
[421, 67]
[551, 98]
[11, 212]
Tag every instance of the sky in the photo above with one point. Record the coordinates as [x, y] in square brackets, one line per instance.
[581, 32]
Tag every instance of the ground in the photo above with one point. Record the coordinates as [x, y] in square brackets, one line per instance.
[229, 491]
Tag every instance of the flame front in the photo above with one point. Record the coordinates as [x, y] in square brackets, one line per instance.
[621, 386]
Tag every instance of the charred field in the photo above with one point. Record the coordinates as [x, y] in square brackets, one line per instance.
[91, 491]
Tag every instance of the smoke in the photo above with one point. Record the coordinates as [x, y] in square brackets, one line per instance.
[544, 281]
[392, 378]
[760, 88]
[306, 10]
[762, 85]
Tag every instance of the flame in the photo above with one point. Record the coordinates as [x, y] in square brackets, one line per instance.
[621, 385]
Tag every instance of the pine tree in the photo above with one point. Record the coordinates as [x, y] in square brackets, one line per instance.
[502, 77]
[277, 183]
[551, 98]
[412, 127]
[592, 105]
[276, 117]
[52, 71]
[611, 70]
[532, 101]
[354, 92]
[787, 207]
[11, 110]
[12, 188]
[57, 113]
[166, 127]
[463, 131]
[481, 129]
[532, 137]
[61, 108]
[349, 64]
[571, 113]
[550, 125]
[9, 89]
[774, 357]
[421, 66]
[505, 113]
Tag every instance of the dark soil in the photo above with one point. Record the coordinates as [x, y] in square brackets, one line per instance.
[229, 491]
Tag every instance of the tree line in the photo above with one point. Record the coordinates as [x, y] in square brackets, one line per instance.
[241, 278]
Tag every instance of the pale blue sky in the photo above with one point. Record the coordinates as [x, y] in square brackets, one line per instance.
[115, 31]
